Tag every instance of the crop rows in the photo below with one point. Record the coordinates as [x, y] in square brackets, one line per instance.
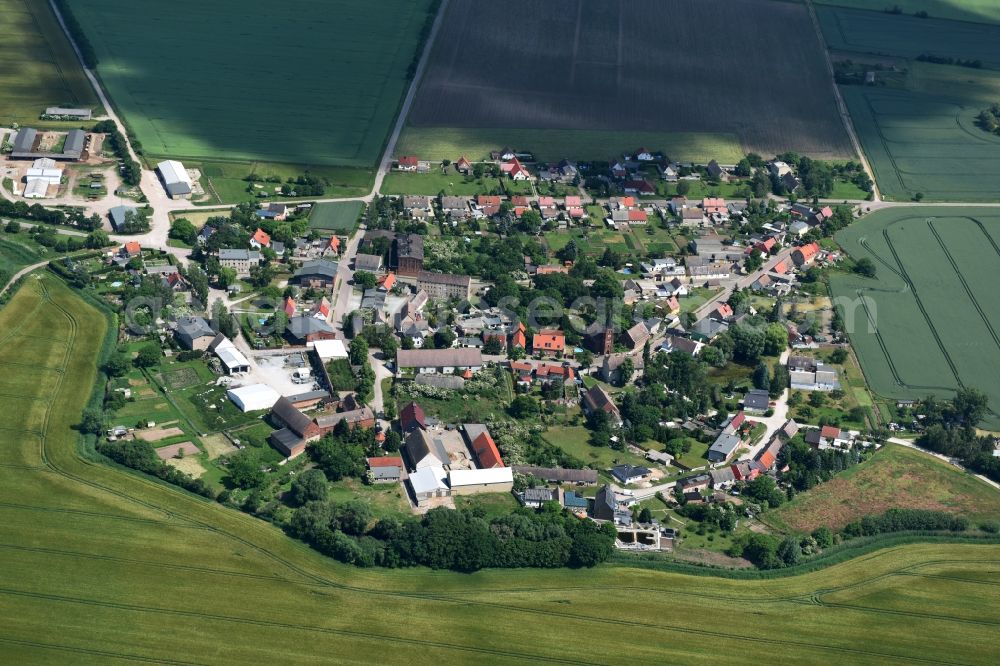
[645, 65]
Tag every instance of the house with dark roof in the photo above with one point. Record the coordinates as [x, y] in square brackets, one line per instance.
[316, 274]
[422, 450]
[194, 333]
[596, 399]
[534, 498]
[303, 329]
[630, 473]
[407, 255]
[756, 401]
[558, 474]
[411, 417]
[635, 337]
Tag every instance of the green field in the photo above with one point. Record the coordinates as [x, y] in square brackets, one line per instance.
[957, 10]
[434, 143]
[908, 36]
[933, 301]
[13, 257]
[197, 80]
[225, 182]
[38, 68]
[924, 144]
[894, 478]
[335, 216]
[451, 183]
[138, 571]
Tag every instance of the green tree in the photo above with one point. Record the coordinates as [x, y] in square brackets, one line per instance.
[365, 280]
[358, 351]
[92, 421]
[227, 277]
[183, 230]
[865, 266]
[245, 470]
[762, 377]
[310, 485]
[775, 339]
[97, 239]
[523, 407]
[148, 356]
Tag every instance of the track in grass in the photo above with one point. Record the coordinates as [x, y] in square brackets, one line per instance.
[927, 327]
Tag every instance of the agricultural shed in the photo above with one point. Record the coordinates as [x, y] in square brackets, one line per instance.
[254, 397]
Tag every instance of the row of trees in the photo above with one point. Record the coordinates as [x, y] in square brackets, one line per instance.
[463, 540]
[951, 430]
[132, 172]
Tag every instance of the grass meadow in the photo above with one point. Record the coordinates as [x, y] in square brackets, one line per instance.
[977, 11]
[316, 83]
[135, 570]
[38, 68]
[895, 477]
[930, 304]
[341, 217]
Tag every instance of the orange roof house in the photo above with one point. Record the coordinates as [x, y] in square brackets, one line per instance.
[486, 451]
[488, 200]
[463, 165]
[637, 215]
[714, 206]
[518, 340]
[132, 248]
[549, 341]
[781, 267]
[289, 307]
[673, 306]
[260, 238]
[387, 281]
[334, 244]
[573, 201]
[806, 254]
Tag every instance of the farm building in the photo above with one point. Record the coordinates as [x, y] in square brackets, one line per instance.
[428, 483]
[473, 481]
[329, 349]
[254, 397]
[36, 189]
[232, 359]
[438, 360]
[303, 330]
[559, 474]
[176, 180]
[26, 140]
[318, 274]
[118, 214]
[363, 417]
[78, 114]
[422, 450]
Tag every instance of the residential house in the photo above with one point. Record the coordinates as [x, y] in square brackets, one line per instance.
[695, 484]
[194, 333]
[385, 469]
[457, 208]
[418, 206]
[805, 255]
[607, 507]
[549, 343]
[756, 401]
[464, 166]
[515, 170]
[408, 163]
[635, 337]
[444, 285]
[674, 343]
[260, 239]
[360, 417]
[305, 329]
[240, 261]
[716, 172]
[630, 473]
[534, 498]
[273, 211]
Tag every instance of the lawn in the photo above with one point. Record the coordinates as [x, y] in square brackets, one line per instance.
[226, 182]
[341, 217]
[922, 327]
[895, 477]
[14, 256]
[329, 95]
[38, 68]
[574, 440]
[169, 561]
[449, 143]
